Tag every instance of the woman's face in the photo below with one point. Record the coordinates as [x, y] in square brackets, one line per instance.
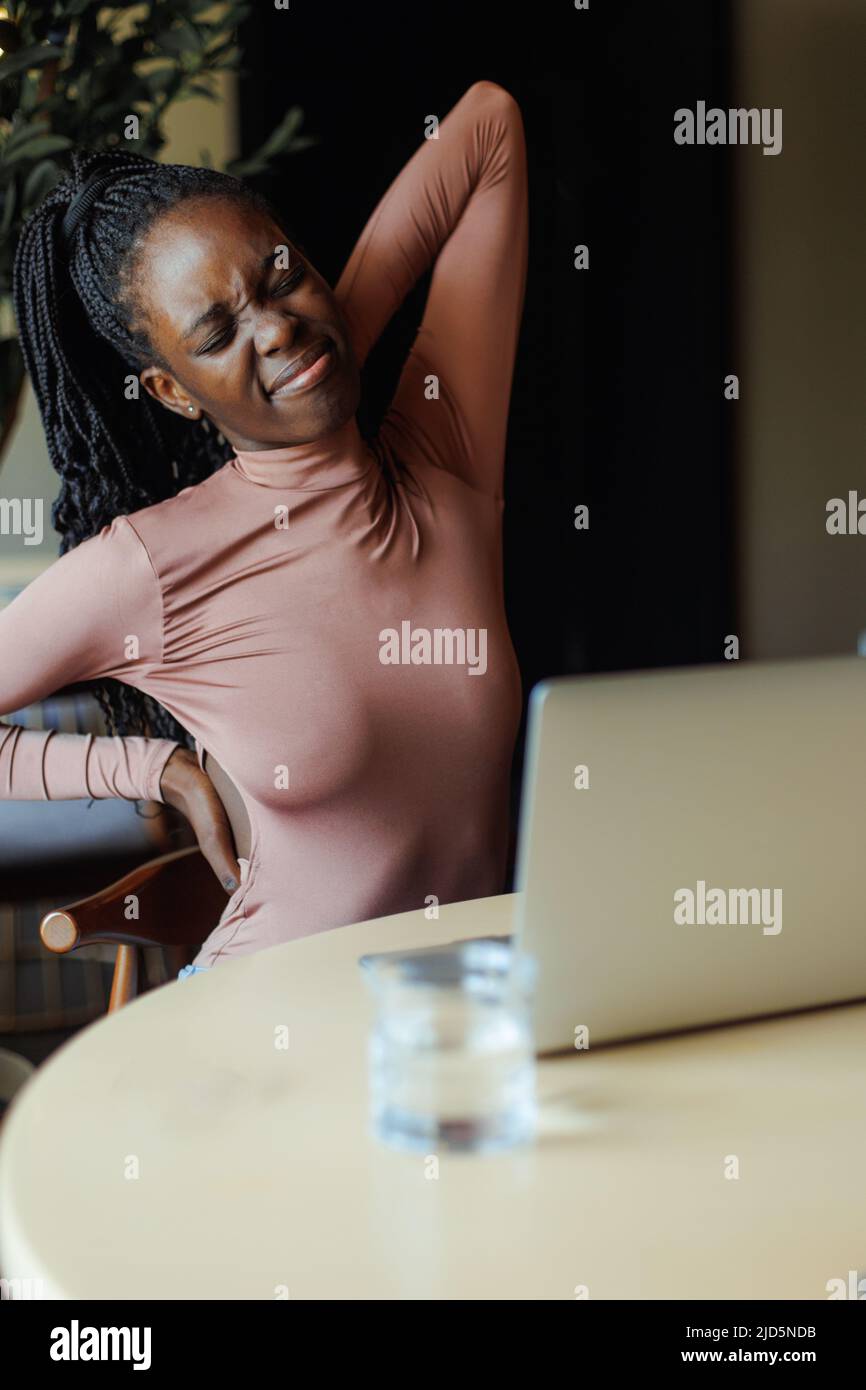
[228, 321]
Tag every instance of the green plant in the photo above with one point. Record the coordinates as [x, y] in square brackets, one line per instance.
[101, 76]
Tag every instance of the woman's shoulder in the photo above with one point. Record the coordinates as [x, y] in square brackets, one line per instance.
[169, 520]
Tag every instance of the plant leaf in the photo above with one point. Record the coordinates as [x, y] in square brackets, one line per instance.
[10, 197]
[38, 147]
[278, 141]
[20, 133]
[199, 89]
[160, 79]
[36, 56]
[184, 39]
[41, 179]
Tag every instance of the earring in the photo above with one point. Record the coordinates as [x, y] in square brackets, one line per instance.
[190, 407]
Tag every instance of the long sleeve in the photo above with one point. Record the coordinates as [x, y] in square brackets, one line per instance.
[461, 202]
[97, 611]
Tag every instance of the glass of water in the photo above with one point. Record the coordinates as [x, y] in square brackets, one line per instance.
[451, 1051]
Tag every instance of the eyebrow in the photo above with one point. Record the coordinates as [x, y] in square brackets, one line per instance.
[219, 306]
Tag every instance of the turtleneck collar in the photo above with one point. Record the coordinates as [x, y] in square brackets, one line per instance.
[324, 463]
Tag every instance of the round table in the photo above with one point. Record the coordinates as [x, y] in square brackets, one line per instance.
[176, 1150]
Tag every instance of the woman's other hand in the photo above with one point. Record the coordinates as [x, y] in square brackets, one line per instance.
[189, 790]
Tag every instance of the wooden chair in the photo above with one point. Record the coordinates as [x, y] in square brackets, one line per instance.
[179, 901]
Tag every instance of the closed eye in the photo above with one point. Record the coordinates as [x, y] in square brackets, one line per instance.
[285, 287]
[214, 343]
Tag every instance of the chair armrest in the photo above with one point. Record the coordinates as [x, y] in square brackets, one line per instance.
[179, 902]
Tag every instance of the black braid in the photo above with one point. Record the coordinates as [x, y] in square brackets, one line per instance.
[80, 321]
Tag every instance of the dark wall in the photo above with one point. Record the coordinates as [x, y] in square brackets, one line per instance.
[617, 401]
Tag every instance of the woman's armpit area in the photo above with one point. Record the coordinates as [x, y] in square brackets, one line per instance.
[236, 811]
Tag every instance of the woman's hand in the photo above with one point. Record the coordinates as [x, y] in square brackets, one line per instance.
[184, 786]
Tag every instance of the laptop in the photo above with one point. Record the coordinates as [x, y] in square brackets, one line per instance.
[690, 847]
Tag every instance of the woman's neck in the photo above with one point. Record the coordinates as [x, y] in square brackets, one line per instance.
[330, 461]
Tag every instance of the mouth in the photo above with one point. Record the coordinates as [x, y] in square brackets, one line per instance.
[306, 370]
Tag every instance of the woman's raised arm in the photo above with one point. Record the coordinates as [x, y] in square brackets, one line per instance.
[461, 203]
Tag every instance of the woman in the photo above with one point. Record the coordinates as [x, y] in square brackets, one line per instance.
[282, 600]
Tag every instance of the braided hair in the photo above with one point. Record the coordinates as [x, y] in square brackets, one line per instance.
[81, 320]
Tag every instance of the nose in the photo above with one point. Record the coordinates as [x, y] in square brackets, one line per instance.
[275, 331]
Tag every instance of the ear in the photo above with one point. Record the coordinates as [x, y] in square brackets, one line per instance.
[163, 387]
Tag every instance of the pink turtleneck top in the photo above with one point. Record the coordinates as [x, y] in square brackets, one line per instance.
[327, 619]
